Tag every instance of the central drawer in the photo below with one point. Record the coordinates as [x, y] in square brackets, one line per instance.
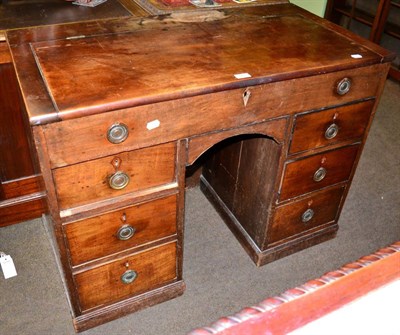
[127, 276]
[89, 137]
[116, 175]
[109, 233]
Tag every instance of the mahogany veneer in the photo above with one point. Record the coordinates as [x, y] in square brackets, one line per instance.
[299, 175]
[96, 236]
[310, 128]
[75, 186]
[101, 285]
[119, 108]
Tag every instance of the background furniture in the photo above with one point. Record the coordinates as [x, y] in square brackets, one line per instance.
[21, 192]
[377, 20]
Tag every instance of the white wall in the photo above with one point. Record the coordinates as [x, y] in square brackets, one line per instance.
[314, 6]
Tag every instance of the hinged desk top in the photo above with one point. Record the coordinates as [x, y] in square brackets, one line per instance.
[99, 66]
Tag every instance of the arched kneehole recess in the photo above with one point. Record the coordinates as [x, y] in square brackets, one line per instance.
[239, 173]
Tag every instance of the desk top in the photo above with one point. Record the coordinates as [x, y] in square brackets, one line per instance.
[75, 70]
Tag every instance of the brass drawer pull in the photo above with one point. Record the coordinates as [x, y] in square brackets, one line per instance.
[118, 180]
[343, 86]
[117, 133]
[331, 131]
[125, 232]
[307, 215]
[319, 174]
[129, 276]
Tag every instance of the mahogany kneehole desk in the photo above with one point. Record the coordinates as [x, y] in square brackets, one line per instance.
[276, 101]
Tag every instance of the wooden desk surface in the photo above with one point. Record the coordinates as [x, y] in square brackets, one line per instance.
[85, 74]
[174, 56]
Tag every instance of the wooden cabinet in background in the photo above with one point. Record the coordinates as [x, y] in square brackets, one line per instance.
[377, 20]
[21, 191]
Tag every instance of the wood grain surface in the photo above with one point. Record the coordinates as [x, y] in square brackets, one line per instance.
[157, 65]
[88, 181]
[103, 285]
[96, 237]
[287, 220]
[351, 120]
[69, 142]
[298, 176]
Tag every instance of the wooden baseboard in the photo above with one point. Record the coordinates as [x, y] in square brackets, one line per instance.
[22, 208]
[262, 257]
[394, 73]
[23, 199]
[22, 187]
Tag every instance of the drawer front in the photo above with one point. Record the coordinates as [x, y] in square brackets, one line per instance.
[318, 171]
[141, 272]
[116, 231]
[86, 138]
[300, 216]
[139, 169]
[314, 130]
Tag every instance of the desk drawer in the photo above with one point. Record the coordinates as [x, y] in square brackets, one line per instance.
[116, 231]
[85, 138]
[147, 270]
[300, 216]
[314, 130]
[91, 181]
[317, 171]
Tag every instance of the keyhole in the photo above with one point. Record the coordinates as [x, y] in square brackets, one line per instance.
[246, 97]
[116, 162]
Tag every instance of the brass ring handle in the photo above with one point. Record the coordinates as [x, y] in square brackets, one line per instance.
[343, 86]
[319, 174]
[307, 215]
[118, 180]
[117, 133]
[125, 232]
[331, 131]
[129, 276]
